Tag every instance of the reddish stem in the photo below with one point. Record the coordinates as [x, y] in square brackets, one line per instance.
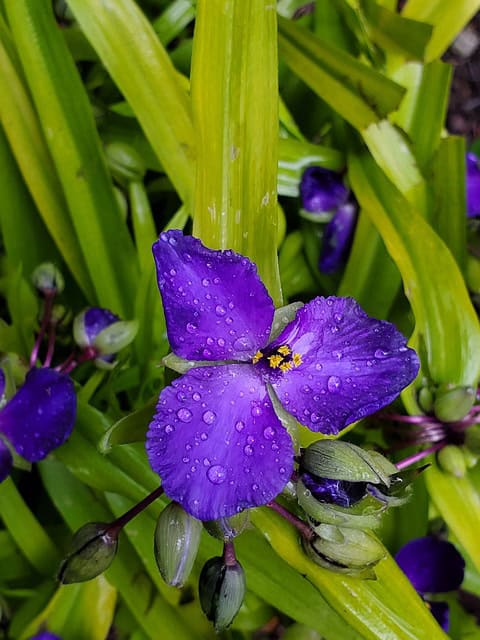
[47, 314]
[117, 525]
[301, 526]
[419, 456]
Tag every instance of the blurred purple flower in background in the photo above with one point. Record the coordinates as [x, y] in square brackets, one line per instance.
[432, 566]
[216, 440]
[473, 185]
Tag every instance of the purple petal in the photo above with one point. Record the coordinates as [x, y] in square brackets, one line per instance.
[95, 320]
[217, 443]
[441, 612]
[431, 565]
[351, 365]
[473, 185]
[6, 461]
[2, 383]
[340, 492]
[337, 238]
[45, 635]
[322, 190]
[40, 416]
[216, 306]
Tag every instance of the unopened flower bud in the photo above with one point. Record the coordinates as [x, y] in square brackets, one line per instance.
[124, 162]
[115, 337]
[471, 458]
[425, 399]
[228, 528]
[453, 404]
[299, 631]
[452, 460]
[89, 323]
[47, 279]
[92, 551]
[177, 536]
[472, 439]
[344, 550]
[221, 589]
[338, 460]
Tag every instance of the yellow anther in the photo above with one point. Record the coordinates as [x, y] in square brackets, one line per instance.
[297, 359]
[275, 361]
[286, 366]
[258, 356]
[284, 350]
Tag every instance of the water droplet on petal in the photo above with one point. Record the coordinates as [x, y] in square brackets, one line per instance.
[205, 282]
[220, 311]
[256, 411]
[333, 384]
[184, 415]
[250, 439]
[269, 433]
[248, 450]
[209, 417]
[191, 328]
[337, 354]
[173, 272]
[169, 429]
[206, 462]
[217, 474]
[315, 417]
[196, 396]
[319, 366]
[239, 426]
[229, 320]
[204, 436]
[242, 344]
[221, 342]
[380, 353]
[185, 459]
[255, 487]
[337, 317]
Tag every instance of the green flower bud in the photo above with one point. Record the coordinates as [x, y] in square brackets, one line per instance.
[425, 399]
[47, 279]
[453, 404]
[344, 550]
[365, 514]
[228, 528]
[472, 439]
[124, 162]
[177, 536]
[116, 336]
[298, 631]
[92, 551]
[452, 460]
[339, 460]
[472, 275]
[471, 458]
[221, 589]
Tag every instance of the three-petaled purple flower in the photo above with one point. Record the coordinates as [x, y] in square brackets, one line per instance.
[39, 417]
[322, 191]
[432, 566]
[215, 439]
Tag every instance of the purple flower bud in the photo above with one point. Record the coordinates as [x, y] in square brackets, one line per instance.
[473, 185]
[322, 190]
[340, 492]
[45, 635]
[88, 324]
[41, 415]
[337, 238]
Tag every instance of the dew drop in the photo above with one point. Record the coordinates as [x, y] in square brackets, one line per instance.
[205, 282]
[255, 487]
[169, 429]
[380, 353]
[250, 439]
[206, 462]
[248, 450]
[191, 328]
[315, 417]
[337, 354]
[185, 459]
[196, 396]
[256, 411]
[217, 474]
[306, 389]
[333, 384]
[220, 311]
[204, 436]
[240, 426]
[269, 433]
[229, 320]
[173, 272]
[221, 342]
[206, 353]
[216, 280]
[319, 366]
[209, 417]
[242, 344]
[184, 415]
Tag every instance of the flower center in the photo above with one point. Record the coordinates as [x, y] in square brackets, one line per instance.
[281, 358]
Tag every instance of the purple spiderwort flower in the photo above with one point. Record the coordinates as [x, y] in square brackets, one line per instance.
[39, 417]
[337, 238]
[322, 190]
[432, 566]
[45, 635]
[340, 492]
[216, 440]
[473, 185]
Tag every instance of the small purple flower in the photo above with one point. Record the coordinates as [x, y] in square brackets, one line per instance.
[216, 440]
[39, 417]
[322, 190]
[45, 635]
[337, 238]
[473, 185]
[340, 492]
[432, 566]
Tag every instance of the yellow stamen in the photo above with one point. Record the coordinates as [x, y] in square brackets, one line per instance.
[286, 366]
[275, 361]
[284, 350]
[258, 356]
[297, 359]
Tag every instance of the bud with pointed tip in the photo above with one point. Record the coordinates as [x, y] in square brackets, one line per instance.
[453, 404]
[228, 528]
[221, 589]
[48, 279]
[177, 537]
[92, 551]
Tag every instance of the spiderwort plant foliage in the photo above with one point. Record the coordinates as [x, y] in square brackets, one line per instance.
[433, 566]
[215, 439]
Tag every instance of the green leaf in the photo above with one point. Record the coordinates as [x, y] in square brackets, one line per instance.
[358, 93]
[235, 107]
[173, 20]
[431, 278]
[130, 428]
[447, 18]
[458, 501]
[131, 51]
[29, 147]
[68, 123]
[374, 608]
